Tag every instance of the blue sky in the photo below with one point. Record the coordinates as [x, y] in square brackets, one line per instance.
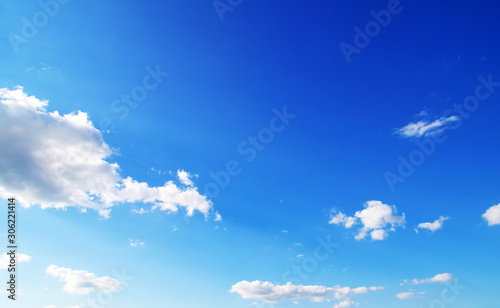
[232, 153]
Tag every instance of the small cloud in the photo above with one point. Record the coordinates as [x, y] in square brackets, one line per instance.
[377, 219]
[409, 295]
[284, 231]
[345, 304]
[184, 177]
[426, 126]
[441, 278]
[217, 217]
[136, 243]
[140, 211]
[492, 215]
[300, 256]
[433, 226]
[5, 259]
[82, 282]
[341, 218]
[104, 213]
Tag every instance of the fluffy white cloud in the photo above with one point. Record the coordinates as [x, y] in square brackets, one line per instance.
[271, 293]
[341, 218]
[492, 215]
[184, 177]
[5, 259]
[59, 161]
[427, 127]
[346, 303]
[377, 219]
[217, 217]
[442, 278]
[409, 295]
[433, 226]
[82, 282]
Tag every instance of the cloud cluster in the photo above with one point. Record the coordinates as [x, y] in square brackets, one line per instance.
[58, 161]
[432, 226]
[376, 219]
[82, 282]
[492, 215]
[271, 293]
[427, 127]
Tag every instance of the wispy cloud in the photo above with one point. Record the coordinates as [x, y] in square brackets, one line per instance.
[426, 126]
[271, 293]
[432, 226]
[441, 278]
[345, 304]
[410, 295]
[136, 243]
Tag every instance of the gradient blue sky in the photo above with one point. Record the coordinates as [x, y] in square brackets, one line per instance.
[225, 77]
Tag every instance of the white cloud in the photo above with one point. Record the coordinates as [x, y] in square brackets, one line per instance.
[5, 259]
[184, 177]
[378, 234]
[82, 282]
[136, 243]
[346, 303]
[341, 218]
[377, 219]
[300, 256]
[433, 226]
[409, 295]
[492, 215]
[217, 217]
[426, 127]
[442, 278]
[271, 293]
[58, 161]
[284, 231]
[140, 211]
